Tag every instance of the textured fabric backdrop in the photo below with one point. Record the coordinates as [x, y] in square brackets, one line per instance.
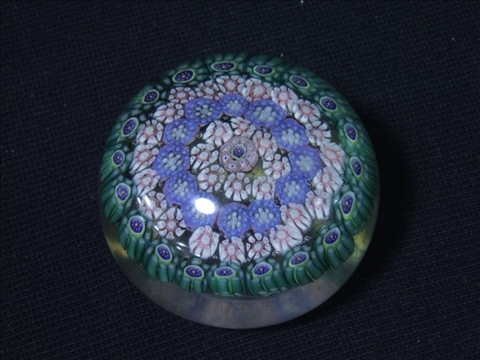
[411, 69]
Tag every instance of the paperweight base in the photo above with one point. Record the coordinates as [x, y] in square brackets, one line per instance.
[241, 312]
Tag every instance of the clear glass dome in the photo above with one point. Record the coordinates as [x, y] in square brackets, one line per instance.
[238, 191]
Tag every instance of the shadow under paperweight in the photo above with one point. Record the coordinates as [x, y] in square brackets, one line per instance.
[238, 191]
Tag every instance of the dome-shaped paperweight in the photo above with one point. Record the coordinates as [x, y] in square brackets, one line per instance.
[238, 191]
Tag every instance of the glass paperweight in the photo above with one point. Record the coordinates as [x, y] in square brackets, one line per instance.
[238, 191]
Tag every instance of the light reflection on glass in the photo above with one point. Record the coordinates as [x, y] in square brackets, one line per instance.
[205, 206]
[148, 202]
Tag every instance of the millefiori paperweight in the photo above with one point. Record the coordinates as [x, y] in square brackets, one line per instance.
[238, 191]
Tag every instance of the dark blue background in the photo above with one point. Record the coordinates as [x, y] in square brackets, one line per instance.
[411, 69]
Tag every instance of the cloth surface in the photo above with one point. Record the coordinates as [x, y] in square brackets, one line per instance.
[410, 69]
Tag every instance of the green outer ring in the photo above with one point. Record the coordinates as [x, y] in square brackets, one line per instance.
[281, 76]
